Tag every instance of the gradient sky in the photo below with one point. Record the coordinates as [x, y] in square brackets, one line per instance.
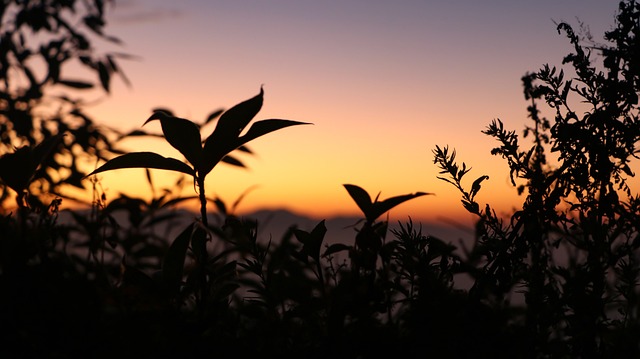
[383, 82]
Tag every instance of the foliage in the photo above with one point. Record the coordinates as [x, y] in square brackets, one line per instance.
[573, 247]
[39, 40]
[557, 278]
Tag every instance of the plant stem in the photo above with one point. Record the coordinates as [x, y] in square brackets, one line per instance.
[203, 200]
[204, 288]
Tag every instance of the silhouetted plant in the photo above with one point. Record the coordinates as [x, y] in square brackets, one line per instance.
[576, 306]
[184, 136]
[64, 33]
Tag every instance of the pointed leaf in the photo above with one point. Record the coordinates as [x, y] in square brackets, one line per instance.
[233, 161]
[144, 160]
[221, 206]
[234, 120]
[224, 137]
[379, 208]
[312, 242]
[173, 264]
[215, 151]
[182, 134]
[213, 115]
[76, 84]
[245, 149]
[361, 197]
[137, 133]
[105, 75]
[163, 109]
[263, 127]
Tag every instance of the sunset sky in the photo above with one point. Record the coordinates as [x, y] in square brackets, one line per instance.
[383, 83]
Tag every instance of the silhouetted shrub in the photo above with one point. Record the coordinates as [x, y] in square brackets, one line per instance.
[107, 283]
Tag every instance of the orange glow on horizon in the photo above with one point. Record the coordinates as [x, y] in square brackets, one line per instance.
[380, 94]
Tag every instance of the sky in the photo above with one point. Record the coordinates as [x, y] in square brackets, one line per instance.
[382, 82]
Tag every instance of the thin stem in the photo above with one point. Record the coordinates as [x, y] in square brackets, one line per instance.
[203, 272]
[203, 201]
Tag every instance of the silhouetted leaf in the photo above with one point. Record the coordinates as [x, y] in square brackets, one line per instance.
[233, 161]
[312, 242]
[224, 137]
[199, 244]
[374, 210]
[245, 149]
[137, 133]
[221, 206]
[360, 196]
[213, 115]
[182, 134]
[144, 160]
[18, 168]
[476, 185]
[214, 152]
[335, 248]
[380, 208]
[234, 120]
[163, 109]
[76, 84]
[173, 264]
[175, 201]
[149, 180]
[263, 127]
[105, 75]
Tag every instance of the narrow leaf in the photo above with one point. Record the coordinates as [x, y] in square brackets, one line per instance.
[221, 206]
[379, 208]
[173, 264]
[76, 84]
[144, 160]
[213, 115]
[105, 75]
[263, 127]
[163, 109]
[233, 161]
[245, 149]
[234, 120]
[215, 150]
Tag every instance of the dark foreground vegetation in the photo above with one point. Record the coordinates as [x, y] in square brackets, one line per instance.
[558, 278]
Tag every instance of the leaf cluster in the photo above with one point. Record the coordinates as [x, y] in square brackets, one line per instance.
[37, 106]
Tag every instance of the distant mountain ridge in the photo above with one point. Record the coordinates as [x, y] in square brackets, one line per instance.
[274, 223]
[342, 228]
